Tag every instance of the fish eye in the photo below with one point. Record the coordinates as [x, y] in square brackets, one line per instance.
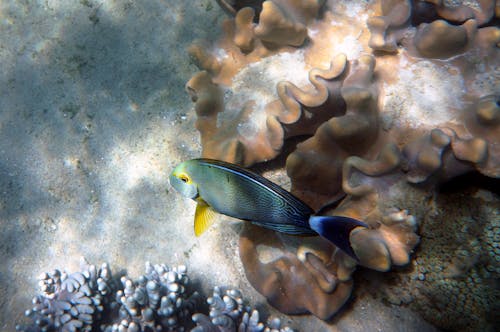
[184, 178]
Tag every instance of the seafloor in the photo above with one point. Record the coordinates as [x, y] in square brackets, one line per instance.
[93, 117]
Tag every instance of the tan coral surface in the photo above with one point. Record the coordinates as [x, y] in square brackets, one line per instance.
[392, 92]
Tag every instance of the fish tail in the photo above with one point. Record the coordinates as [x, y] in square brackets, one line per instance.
[336, 229]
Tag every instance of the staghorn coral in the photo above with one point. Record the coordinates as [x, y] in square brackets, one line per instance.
[71, 302]
[228, 312]
[420, 109]
[159, 300]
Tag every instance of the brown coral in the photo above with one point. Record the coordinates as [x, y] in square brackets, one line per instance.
[446, 153]
[243, 34]
[252, 131]
[391, 243]
[289, 284]
[227, 139]
[317, 162]
[482, 10]
[424, 113]
[488, 111]
[279, 22]
[444, 29]
[233, 6]
[388, 29]
[440, 39]
[452, 280]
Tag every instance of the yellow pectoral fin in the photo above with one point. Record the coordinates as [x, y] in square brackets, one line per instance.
[203, 218]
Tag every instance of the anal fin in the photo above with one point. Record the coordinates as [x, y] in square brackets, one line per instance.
[204, 217]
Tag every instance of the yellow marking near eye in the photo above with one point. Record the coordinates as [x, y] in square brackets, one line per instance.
[184, 178]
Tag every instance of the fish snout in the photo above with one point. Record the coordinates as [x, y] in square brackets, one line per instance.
[188, 190]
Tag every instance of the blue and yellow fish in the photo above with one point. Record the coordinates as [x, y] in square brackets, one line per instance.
[220, 187]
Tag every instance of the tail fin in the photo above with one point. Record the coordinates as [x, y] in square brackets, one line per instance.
[336, 229]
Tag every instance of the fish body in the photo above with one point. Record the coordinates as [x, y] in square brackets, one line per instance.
[220, 187]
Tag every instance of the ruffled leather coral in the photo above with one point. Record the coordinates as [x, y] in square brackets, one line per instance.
[233, 6]
[293, 285]
[443, 30]
[421, 109]
[482, 11]
[388, 243]
[445, 153]
[440, 39]
[236, 135]
[317, 162]
[387, 30]
[277, 22]
[229, 142]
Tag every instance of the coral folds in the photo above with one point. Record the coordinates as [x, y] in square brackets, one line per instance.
[312, 287]
[390, 95]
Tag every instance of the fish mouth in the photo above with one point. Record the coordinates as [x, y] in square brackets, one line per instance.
[171, 180]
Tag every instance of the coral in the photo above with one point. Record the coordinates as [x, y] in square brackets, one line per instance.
[443, 29]
[453, 280]
[440, 39]
[445, 153]
[388, 29]
[243, 35]
[232, 7]
[313, 287]
[157, 301]
[241, 130]
[488, 111]
[317, 162]
[440, 156]
[279, 23]
[71, 302]
[93, 300]
[460, 11]
[232, 139]
[415, 105]
[389, 244]
[229, 313]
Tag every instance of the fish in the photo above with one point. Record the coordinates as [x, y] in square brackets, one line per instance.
[223, 188]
